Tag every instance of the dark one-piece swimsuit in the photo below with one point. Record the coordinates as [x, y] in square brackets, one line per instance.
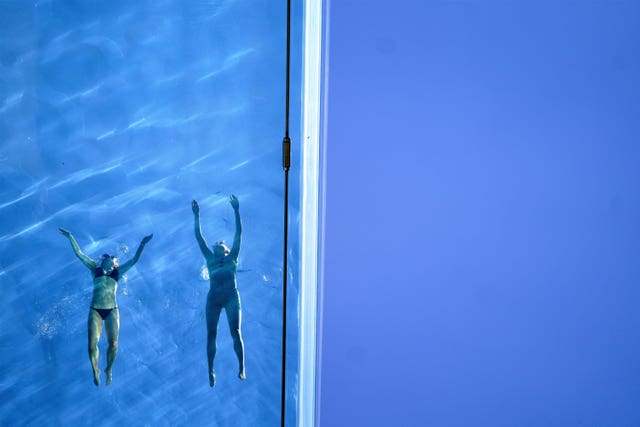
[115, 275]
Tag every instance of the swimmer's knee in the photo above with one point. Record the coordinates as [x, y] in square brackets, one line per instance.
[113, 344]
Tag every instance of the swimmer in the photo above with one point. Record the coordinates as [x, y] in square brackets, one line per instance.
[222, 264]
[103, 304]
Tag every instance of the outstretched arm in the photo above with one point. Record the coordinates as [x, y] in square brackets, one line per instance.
[235, 249]
[196, 226]
[88, 262]
[127, 265]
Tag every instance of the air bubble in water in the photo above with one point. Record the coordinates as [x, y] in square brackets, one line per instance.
[122, 250]
[204, 273]
[47, 326]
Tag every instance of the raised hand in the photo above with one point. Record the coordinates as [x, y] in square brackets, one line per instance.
[234, 201]
[64, 232]
[146, 239]
[195, 207]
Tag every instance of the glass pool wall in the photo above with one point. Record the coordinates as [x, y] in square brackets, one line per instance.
[311, 209]
[113, 117]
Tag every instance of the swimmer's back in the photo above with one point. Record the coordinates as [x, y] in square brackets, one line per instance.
[222, 273]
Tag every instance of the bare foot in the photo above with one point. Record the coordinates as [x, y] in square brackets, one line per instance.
[242, 375]
[212, 378]
[109, 375]
[96, 377]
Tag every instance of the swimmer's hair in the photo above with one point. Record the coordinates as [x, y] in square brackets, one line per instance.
[227, 251]
[113, 257]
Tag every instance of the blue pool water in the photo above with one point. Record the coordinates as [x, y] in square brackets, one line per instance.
[113, 117]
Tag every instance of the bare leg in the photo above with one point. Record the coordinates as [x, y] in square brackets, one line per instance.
[94, 326]
[234, 317]
[112, 328]
[213, 315]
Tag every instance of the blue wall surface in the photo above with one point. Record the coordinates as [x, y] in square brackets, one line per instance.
[482, 206]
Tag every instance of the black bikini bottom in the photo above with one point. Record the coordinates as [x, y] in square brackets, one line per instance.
[104, 312]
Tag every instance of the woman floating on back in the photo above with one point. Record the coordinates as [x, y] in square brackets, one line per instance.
[106, 274]
[222, 264]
